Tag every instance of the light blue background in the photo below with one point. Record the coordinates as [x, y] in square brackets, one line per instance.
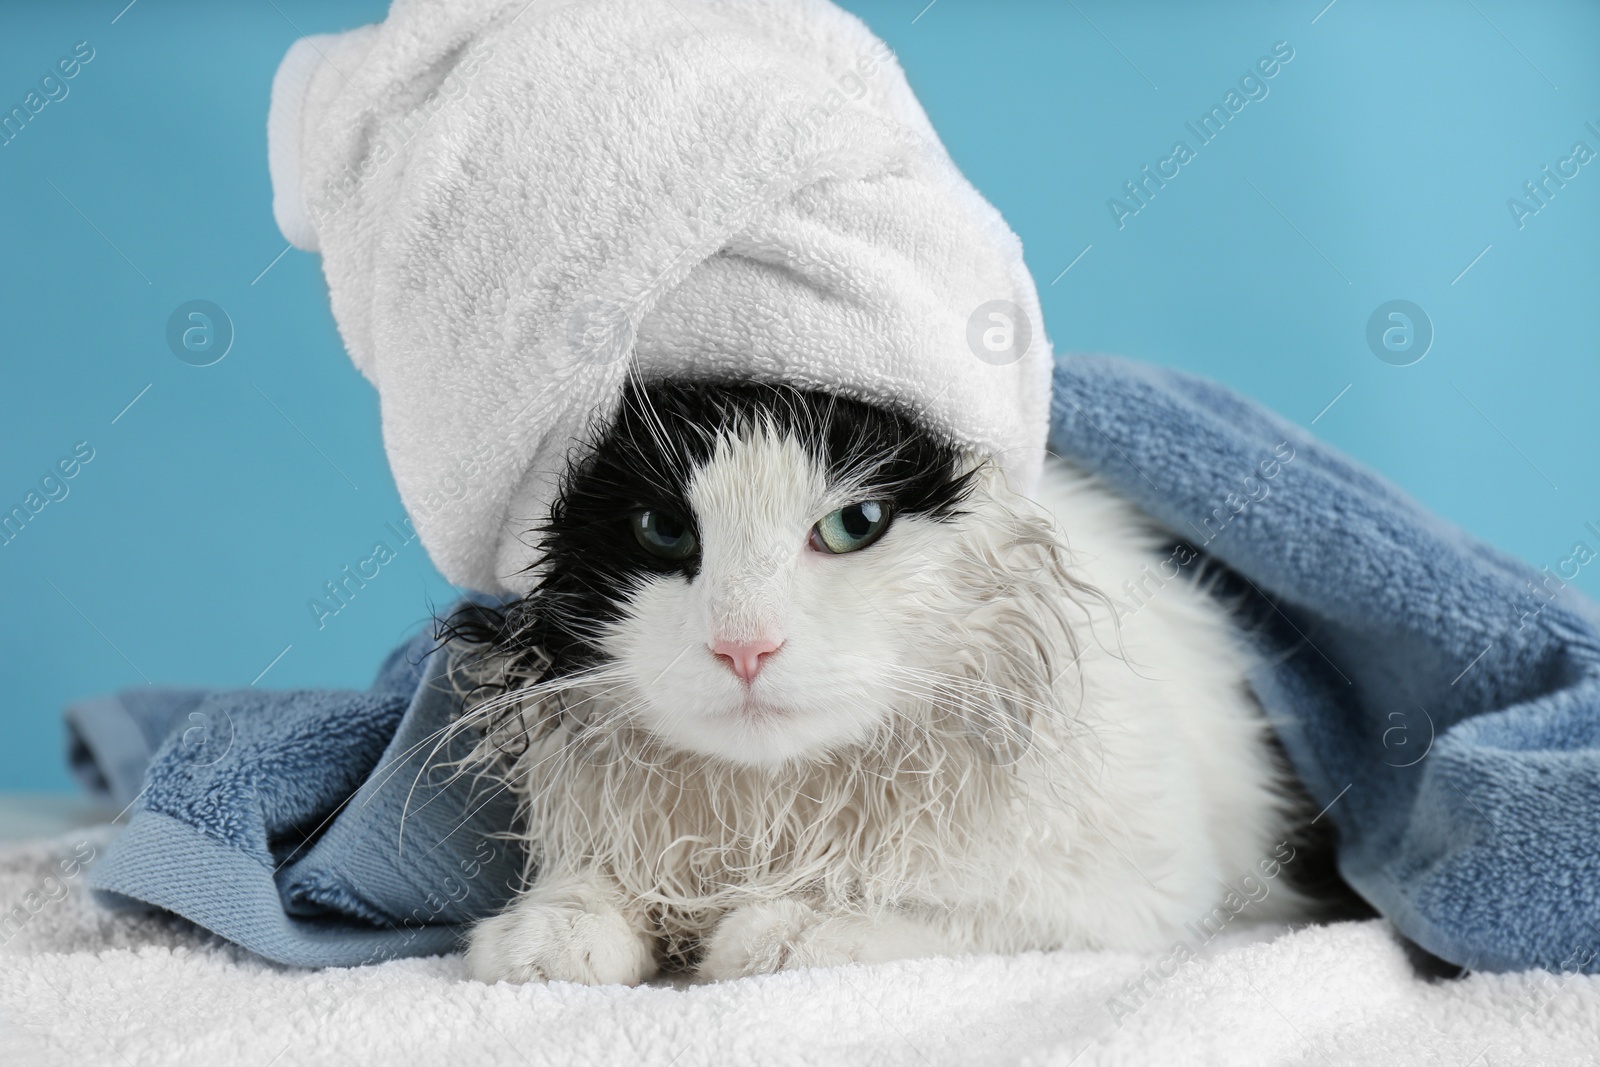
[1378, 167]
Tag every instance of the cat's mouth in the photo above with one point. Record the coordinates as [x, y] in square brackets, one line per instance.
[754, 709]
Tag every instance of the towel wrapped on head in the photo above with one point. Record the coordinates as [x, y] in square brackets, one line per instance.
[518, 205]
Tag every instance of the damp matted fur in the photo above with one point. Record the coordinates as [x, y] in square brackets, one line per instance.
[999, 758]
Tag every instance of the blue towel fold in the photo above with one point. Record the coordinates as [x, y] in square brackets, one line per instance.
[1440, 701]
[1439, 698]
[314, 827]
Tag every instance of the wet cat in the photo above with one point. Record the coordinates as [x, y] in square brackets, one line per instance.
[800, 683]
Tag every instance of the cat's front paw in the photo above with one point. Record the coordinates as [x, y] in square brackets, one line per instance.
[785, 934]
[540, 942]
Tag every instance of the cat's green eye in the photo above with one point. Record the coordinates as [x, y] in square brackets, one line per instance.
[851, 528]
[663, 534]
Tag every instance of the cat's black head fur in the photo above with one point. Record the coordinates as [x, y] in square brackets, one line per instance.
[645, 459]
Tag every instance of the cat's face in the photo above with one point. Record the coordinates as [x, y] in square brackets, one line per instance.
[749, 567]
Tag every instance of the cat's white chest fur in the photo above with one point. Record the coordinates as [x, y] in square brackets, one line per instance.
[980, 739]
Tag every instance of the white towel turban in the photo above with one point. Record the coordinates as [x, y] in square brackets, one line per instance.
[518, 204]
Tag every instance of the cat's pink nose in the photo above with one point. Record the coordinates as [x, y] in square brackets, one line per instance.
[744, 658]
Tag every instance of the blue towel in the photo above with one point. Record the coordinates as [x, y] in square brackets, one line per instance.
[1440, 701]
[313, 827]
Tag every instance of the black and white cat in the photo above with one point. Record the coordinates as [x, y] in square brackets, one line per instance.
[800, 684]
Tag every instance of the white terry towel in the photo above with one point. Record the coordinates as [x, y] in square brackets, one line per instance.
[81, 986]
[520, 204]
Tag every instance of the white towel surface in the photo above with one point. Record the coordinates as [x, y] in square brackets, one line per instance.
[519, 203]
[82, 987]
